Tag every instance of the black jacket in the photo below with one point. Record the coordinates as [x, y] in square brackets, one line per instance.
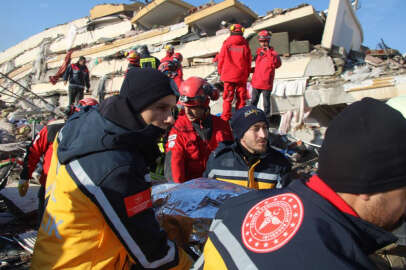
[116, 161]
[149, 61]
[77, 75]
[291, 228]
[226, 163]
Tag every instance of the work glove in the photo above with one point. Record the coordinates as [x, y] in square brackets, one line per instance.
[23, 187]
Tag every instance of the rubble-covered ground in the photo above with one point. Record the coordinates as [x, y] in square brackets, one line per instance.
[16, 131]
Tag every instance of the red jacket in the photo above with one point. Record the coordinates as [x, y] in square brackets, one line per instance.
[168, 57]
[187, 152]
[266, 63]
[41, 147]
[234, 60]
[179, 77]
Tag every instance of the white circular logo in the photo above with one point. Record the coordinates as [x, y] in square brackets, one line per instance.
[272, 222]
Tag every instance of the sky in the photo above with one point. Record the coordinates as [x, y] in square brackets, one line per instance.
[20, 19]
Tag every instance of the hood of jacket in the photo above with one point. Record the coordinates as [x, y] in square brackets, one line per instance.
[88, 132]
[236, 40]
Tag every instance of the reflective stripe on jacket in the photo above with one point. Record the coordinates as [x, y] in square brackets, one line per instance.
[98, 203]
[289, 228]
[227, 164]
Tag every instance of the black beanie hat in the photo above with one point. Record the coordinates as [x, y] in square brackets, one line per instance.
[364, 150]
[144, 86]
[244, 118]
[141, 88]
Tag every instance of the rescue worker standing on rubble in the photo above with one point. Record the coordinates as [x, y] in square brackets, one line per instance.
[344, 213]
[170, 53]
[266, 61]
[234, 67]
[146, 59]
[41, 147]
[133, 60]
[196, 132]
[99, 212]
[177, 60]
[248, 161]
[78, 77]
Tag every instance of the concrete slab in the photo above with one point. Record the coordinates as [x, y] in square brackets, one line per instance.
[342, 27]
[320, 66]
[292, 67]
[110, 9]
[302, 24]
[28, 203]
[152, 14]
[209, 19]
[89, 37]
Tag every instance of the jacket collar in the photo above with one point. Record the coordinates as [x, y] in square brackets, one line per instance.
[368, 236]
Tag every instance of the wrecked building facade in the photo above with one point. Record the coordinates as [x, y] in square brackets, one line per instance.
[323, 61]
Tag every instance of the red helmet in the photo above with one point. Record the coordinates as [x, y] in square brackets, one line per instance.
[178, 57]
[196, 91]
[264, 35]
[237, 28]
[88, 102]
[133, 57]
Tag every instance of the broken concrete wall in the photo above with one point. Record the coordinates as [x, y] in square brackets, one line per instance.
[342, 27]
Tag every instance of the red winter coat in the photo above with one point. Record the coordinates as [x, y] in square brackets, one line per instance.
[234, 60]
[41, 147]
[179, 77]
[187, 152]
[168, 57]
[266, 63]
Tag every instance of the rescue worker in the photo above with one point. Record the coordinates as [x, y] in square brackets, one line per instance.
[342, 214]
[168, 68]
[266, 61]
[78, 76]
[41, 148]
[146, 59]
[133, 60]
[249, 160]
[177, 60]
[99, 213]
[196, 132]
[234, 67]
[170, 53]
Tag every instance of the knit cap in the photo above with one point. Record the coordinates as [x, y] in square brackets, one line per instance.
[244, 118]
[364, 150]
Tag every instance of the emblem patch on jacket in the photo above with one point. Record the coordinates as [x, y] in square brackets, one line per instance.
[137, 203]
[272, 223]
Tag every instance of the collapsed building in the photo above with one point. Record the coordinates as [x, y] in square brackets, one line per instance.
[324, 65]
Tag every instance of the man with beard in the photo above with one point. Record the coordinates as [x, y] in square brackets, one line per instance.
[99, 212]
[249, 160]
[336, 219]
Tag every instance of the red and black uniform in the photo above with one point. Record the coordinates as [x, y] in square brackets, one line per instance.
[190, 144]
[267, 60]
[285, 228]
[168, 57]
[41, 147]
[78, 76]
[234, 67]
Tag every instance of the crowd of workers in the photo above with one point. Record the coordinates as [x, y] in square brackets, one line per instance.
[96, 185]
